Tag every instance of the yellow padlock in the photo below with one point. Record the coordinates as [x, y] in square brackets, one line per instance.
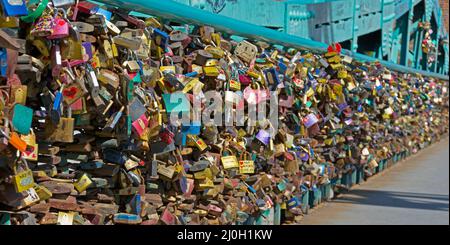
[235, 85]
[211, 71]
[82, 183]
[194, 140]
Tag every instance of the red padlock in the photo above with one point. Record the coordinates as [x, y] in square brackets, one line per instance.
[335, 47]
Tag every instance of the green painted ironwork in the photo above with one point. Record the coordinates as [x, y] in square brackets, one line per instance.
[170, 10]
[345, 21]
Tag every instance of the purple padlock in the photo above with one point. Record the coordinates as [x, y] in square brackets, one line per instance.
[310, 120]
[263, 136]
[304, 156]
[342, 106]
[88, 47]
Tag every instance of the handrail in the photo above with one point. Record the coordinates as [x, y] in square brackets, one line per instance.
[181, 13]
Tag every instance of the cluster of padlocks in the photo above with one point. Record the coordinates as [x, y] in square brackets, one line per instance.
[110, 118]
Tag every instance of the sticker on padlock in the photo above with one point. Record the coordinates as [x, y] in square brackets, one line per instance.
[65, 218]
[32, 197]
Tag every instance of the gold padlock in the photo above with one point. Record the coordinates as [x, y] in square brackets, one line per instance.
[217, 53]
[246, 51]
[246, 166]
[194, 140]
[108, 77]
[22, 180]
[229, 162]
[211, 71]
[82, 183]
[132, 66]
[43, 192]
[19, 94]
[235, 85]
[31, 153]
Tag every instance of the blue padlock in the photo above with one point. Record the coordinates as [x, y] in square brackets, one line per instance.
[3, 62]
[14, 7]
[136, 204]
[113, 156]
[162, 38]
[55, 113]
[105, 13]
[282, 67]
[191, 74]
[193, 129]
[272, 76]
[293, 203]
[91, 165]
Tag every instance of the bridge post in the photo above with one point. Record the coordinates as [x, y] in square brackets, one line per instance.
[406, 39]
[356, 11]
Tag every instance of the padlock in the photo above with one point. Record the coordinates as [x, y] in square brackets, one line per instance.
[234, 85]
[108, 78]
[44, 26]
[202, 57]
[168, 69]
[211, 71]
[22, 118]
[129, 43]
[62, 132]
[22, 180]
[246, 166]
[217, 53]
[99, 23]
[113, 120]
[19, 94]
[161, 38]
[60, 26]
[140, 125]
[56, 110]
[14, 7]
[83, 183]
[92, 80]
[72, 93]
[194, 140]
[206, 32]
[132, 66]
[56, 60]
[230, 161]
[246, 51]
[32, 151]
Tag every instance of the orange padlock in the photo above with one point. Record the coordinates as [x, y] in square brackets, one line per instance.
[17, 142]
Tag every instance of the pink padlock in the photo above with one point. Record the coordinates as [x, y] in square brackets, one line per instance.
[245, 80]
[287, 101]
[60, 26]
[256, 96]
[140, 125]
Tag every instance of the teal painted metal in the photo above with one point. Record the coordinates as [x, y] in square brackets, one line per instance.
[340, 21]
[180, 13]
[356, 10]
[406, 39]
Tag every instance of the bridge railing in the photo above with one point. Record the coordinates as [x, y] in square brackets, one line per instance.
[181, 13]
[346, 21]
